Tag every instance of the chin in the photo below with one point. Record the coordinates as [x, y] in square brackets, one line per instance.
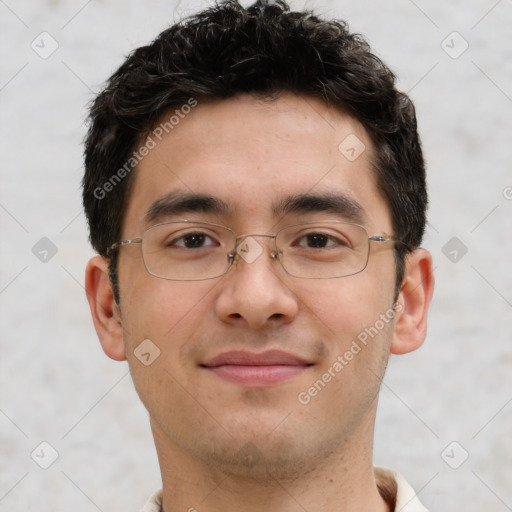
[258, 461]
[268, 451]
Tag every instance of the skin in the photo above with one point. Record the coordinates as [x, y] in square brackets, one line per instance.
[251, 153]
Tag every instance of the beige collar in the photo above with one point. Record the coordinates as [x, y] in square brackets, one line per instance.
[406, 499]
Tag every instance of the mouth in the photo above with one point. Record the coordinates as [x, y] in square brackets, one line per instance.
[256, 370]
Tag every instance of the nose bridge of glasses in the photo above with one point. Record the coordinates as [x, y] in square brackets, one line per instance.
[249, 249]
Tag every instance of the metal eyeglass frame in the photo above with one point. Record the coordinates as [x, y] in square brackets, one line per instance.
[275, 254]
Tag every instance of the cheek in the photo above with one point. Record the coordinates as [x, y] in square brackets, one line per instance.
[359, 330]
[170, 315]
[346, 305]
[164, 311]
[355, 314]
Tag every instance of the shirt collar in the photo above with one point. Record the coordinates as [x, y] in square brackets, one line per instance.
[406, 499]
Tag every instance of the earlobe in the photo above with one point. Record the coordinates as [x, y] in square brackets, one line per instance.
[104, 310]
[413, 303]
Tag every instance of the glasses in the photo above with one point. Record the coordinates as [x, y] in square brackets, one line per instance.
[195, 251]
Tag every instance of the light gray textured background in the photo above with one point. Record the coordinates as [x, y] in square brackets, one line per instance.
[56, 385]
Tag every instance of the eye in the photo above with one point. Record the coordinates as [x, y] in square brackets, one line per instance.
[320, 240]
[192, 241]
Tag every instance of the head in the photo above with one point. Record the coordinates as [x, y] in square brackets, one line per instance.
[250, 108]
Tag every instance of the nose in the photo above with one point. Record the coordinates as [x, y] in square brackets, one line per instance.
[255, 292]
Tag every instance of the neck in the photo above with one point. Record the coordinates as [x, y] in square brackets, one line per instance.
[343, 480]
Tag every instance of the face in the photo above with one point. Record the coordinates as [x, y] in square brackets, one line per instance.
[258, 365]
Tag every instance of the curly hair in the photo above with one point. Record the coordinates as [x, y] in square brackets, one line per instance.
[262, 50]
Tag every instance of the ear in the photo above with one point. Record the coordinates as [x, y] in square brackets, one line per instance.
[413, 303]
[105, 312]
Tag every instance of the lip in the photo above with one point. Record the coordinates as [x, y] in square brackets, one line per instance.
[256, 369]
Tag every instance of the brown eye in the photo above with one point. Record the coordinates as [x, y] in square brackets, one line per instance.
[317, 240]
[192, 241]
[320, 241]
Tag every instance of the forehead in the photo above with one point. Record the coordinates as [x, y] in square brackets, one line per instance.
[253, 155]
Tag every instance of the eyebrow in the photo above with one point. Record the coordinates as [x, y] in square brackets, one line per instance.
[178, 203]
[337, 204]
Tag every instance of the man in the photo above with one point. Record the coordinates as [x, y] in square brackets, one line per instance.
[255, 189]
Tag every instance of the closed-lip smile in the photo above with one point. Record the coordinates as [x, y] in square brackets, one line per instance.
[256, 369]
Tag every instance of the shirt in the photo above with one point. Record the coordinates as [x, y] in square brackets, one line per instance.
[406, 499]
